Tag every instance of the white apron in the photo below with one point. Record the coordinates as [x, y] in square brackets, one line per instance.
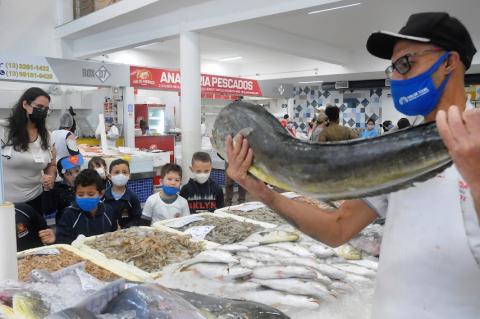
[427, 269]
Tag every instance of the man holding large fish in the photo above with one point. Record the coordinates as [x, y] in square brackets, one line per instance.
[430, 257]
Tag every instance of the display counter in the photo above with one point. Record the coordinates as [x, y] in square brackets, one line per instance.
[160, 142]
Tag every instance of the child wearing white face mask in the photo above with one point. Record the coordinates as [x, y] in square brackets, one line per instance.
[97, 163]
[201, 192]
[120, 198]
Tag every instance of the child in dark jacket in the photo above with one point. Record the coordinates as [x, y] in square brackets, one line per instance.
[88, 216]
[201, 192]
[124, 202]
[63, 194]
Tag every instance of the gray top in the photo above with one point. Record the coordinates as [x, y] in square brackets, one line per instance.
[23, 170]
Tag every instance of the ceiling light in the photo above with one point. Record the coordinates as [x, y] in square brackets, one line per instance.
[308, 82]
[230, 59]
[335, 8]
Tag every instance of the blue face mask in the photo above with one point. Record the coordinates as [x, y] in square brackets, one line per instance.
[169, 190]
[87, 203]
[418, 95]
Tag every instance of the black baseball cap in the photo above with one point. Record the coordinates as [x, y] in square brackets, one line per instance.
[437, 28]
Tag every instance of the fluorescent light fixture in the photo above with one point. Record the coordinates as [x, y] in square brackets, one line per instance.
[308, 82]
[335, 8]
[230, 59]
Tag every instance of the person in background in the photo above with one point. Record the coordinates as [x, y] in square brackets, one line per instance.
[387, 126]
[123, 201]
[201, 192]
[144, 127]
[321, 122]
[403, 123]
[64, 138]
[166, 203]
[291, 129]
[98, 163]
[87, 216]
[63, 193]
[334, 131]
[28, 155]
[32, 230]
[284, 121]
[229, 183]
[112, 133]
[370, 131]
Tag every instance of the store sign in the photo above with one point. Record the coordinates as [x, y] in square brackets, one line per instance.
[34, 69]
[60, 71]
[164, 79]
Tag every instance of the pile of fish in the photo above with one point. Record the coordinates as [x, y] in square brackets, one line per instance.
[56, 296]
[262, 214]
[226, 230]
[58, 259]
[281, 268]
[146, 248]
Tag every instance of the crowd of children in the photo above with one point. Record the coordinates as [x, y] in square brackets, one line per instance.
[95, 200]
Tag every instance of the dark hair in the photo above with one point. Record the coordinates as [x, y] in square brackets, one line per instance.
[403, 123]
[333, 113]
[167, 168]
[371, 120]
[286, 116]
[89, 177]
[201, 157]
[17, 122]
[116, 162]
[96, 160]
[386, 124]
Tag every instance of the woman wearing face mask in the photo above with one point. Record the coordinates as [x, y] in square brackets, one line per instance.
[370, 131]
[28, 155]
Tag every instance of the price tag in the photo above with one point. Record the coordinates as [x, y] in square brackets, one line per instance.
[199, 232]
[182, 221]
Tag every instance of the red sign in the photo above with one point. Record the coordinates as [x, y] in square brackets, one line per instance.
[164, 79]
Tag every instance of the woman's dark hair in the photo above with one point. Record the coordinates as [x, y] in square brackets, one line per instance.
[17, 122]
[371, 120]
[167, 168]
[89, 177]
[333, 113]
[403, 123]
[96, 160]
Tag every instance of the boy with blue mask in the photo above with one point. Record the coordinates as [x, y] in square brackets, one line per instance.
[63, 193]
[201, 192]
[123, 201]
[166, 203]
[88, 216]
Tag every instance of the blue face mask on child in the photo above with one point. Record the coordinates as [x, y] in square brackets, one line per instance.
[169, 190]
[418, 95]
[87, 203]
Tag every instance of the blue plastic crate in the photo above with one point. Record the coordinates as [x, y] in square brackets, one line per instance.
[142, 187]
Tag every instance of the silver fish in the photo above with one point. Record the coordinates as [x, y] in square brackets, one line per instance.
[370, 264]
[325, 170]
[277, 272]
[211, 256]
[294, 249]
[331, 272]
[273, 251]
[321, 251]
[297, 287]
[220, 272]
[356, 270]
[272, 236]
[232, 247]
[250, 263]
[277, 298]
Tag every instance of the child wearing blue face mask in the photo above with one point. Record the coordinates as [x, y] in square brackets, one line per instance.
[88, 215]
[167, 203]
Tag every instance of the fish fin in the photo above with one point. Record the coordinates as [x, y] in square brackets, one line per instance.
[245, 132]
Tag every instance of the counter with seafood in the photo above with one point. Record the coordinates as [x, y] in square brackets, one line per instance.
[142, 250]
